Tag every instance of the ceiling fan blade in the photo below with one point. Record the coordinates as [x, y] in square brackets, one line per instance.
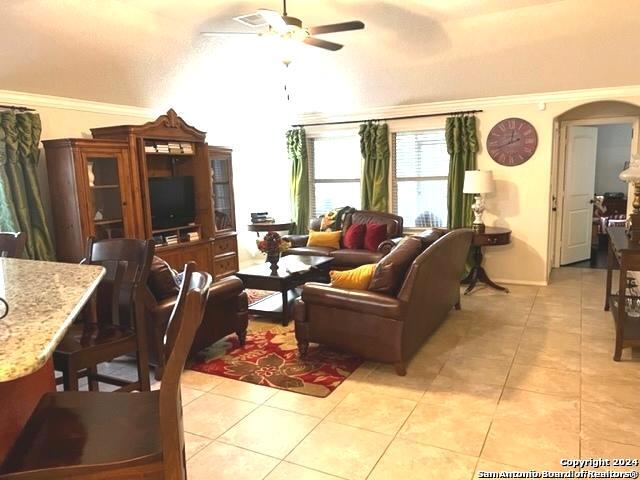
[274, 19]
[337, 27]
[316, 42]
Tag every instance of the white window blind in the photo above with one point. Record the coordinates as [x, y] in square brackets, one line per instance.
[419, 178]
[335, 164]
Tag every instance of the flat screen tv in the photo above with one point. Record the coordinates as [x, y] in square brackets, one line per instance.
[172, 202]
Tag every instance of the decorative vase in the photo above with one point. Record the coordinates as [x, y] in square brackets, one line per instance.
[91, 174]
[273, 258]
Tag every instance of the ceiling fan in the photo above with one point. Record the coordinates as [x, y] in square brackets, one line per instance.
[289, 27]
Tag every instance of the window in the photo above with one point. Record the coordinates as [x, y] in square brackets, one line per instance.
[336, 165]
[420, 171]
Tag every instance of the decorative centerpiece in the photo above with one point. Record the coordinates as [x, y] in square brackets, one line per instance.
[273, 245]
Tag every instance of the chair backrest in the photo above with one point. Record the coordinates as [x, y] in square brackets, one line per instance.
[432, 286]
[12, 244]
[185, 319]
[138, 255]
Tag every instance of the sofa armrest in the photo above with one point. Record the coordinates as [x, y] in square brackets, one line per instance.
[226, 287]
[388, 245]
[354, 300]
[296, 240]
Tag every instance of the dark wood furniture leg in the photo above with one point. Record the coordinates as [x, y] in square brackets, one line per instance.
[622, 290]
[478, 273]
[610, 264]
[285, 308]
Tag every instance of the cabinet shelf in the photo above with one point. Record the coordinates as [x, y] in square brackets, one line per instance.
[169, 154]
[107, 222]
[174, 229]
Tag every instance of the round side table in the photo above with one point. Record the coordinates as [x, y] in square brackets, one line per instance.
[491, 236]
[269, 227]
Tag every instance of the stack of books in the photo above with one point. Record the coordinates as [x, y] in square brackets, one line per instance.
[261, 217]
[193, 236]
[150, 148]
[174, 147]
[186, 148]
[162, 148]
[171, 239]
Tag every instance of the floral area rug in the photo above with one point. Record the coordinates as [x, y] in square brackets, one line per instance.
[270, 358]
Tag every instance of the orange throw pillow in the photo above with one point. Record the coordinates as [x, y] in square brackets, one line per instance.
[356, 279]
[324, 239]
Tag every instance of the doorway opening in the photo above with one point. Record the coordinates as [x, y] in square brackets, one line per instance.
[594, 146]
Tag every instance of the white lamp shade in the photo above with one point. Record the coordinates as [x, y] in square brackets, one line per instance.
[631, 174]
[478, 181]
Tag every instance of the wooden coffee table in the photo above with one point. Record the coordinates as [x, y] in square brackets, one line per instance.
[293, 271]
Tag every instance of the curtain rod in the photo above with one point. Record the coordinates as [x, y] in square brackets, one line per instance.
[406, 117]
[14, 107]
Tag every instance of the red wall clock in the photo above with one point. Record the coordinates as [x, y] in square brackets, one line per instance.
[512, 142]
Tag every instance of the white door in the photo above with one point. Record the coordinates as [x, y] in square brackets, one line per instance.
[579, 186]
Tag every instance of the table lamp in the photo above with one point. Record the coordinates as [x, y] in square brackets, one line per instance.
[632, 175]
[478, 182]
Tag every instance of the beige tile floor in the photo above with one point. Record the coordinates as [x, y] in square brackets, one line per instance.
[511, 382]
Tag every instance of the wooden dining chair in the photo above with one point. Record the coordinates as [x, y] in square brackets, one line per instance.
[116, 435]
[12, 244]
[113, 323]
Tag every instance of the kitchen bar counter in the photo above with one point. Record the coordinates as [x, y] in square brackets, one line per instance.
[44, 299]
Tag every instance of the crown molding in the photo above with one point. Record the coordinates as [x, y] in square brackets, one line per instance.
[25, 99]
[585, 95]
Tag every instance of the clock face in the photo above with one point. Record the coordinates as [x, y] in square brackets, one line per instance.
[512, 142]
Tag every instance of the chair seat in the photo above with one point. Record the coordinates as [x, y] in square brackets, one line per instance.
[76, 429]
[77, 338]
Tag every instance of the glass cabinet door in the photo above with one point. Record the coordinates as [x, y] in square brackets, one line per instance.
[222, 188]
[106, 196]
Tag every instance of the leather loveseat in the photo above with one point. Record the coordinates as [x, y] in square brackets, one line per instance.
[226, 312]
[388, 328]
[350, 258]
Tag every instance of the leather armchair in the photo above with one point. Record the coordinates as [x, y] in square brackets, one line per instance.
[349, 258]
[226, 313]
[382, 327]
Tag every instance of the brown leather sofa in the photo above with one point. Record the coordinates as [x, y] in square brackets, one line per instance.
[381, 327]
[226, 312]
[350, 258]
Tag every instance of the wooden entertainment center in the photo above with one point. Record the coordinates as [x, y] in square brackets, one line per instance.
[101, 186]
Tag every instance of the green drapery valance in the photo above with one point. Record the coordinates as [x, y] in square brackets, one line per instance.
[374, 146]
[21, 207]
[462, 145]
[297, 150]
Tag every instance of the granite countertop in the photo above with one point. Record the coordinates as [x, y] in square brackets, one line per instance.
[44, 298]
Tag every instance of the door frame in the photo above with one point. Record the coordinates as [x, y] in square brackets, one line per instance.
[558, 170]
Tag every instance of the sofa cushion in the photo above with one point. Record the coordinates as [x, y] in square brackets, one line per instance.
[353, 258]
[323, 251]
[390, 271]
[375, 234]
[324, 239]
[162, 282]
[354, 279]
[354, 236]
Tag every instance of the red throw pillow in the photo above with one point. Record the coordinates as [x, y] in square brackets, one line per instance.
[376, 234]
[354, 236]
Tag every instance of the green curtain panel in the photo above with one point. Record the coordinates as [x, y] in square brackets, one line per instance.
[21, 207]
[462, 145]
[297, 149]
[374, 146]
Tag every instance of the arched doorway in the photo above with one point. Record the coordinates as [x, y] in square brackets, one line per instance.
[574, 235]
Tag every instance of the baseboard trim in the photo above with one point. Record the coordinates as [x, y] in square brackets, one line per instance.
[509, 281]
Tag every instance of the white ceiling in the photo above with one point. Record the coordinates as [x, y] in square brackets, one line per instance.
[149, 53]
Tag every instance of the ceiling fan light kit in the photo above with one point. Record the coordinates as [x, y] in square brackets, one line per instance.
[291, 28]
